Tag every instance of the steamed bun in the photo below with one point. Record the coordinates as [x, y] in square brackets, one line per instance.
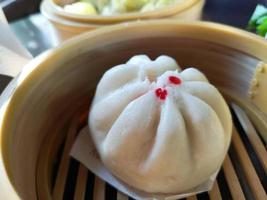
[157, 128]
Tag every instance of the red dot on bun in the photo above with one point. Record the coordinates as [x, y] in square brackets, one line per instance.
[175, 80]
[161, 93]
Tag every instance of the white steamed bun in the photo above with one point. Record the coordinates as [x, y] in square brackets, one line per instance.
[157, 128]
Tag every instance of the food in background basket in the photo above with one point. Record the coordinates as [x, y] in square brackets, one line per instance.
[258, 85]
[82, 8]
[110, 7]
[158, 128]
[258, 21]
[156, 4]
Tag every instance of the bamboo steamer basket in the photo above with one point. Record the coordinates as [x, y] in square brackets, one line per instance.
[68, 25]
[44, 107]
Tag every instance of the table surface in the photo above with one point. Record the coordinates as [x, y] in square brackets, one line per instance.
[32, 30]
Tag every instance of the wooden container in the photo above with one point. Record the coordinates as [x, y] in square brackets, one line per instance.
[44, 107]
[68, 25]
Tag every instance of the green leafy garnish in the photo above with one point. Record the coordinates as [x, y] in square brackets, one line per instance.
[258, 21]
[262, 29]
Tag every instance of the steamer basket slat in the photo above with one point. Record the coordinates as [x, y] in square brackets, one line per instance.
[53, 94]
[252, 135]
[58, 190]
[215, 193]
[232, 180]
[80, 187]
[249, 171]
[99, 189]
[192, 198]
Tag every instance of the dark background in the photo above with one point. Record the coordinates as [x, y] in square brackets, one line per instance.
[232, 12]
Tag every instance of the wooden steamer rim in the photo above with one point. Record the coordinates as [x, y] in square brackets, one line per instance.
[205, 31]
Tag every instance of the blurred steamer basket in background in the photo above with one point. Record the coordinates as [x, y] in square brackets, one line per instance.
[67, 25]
